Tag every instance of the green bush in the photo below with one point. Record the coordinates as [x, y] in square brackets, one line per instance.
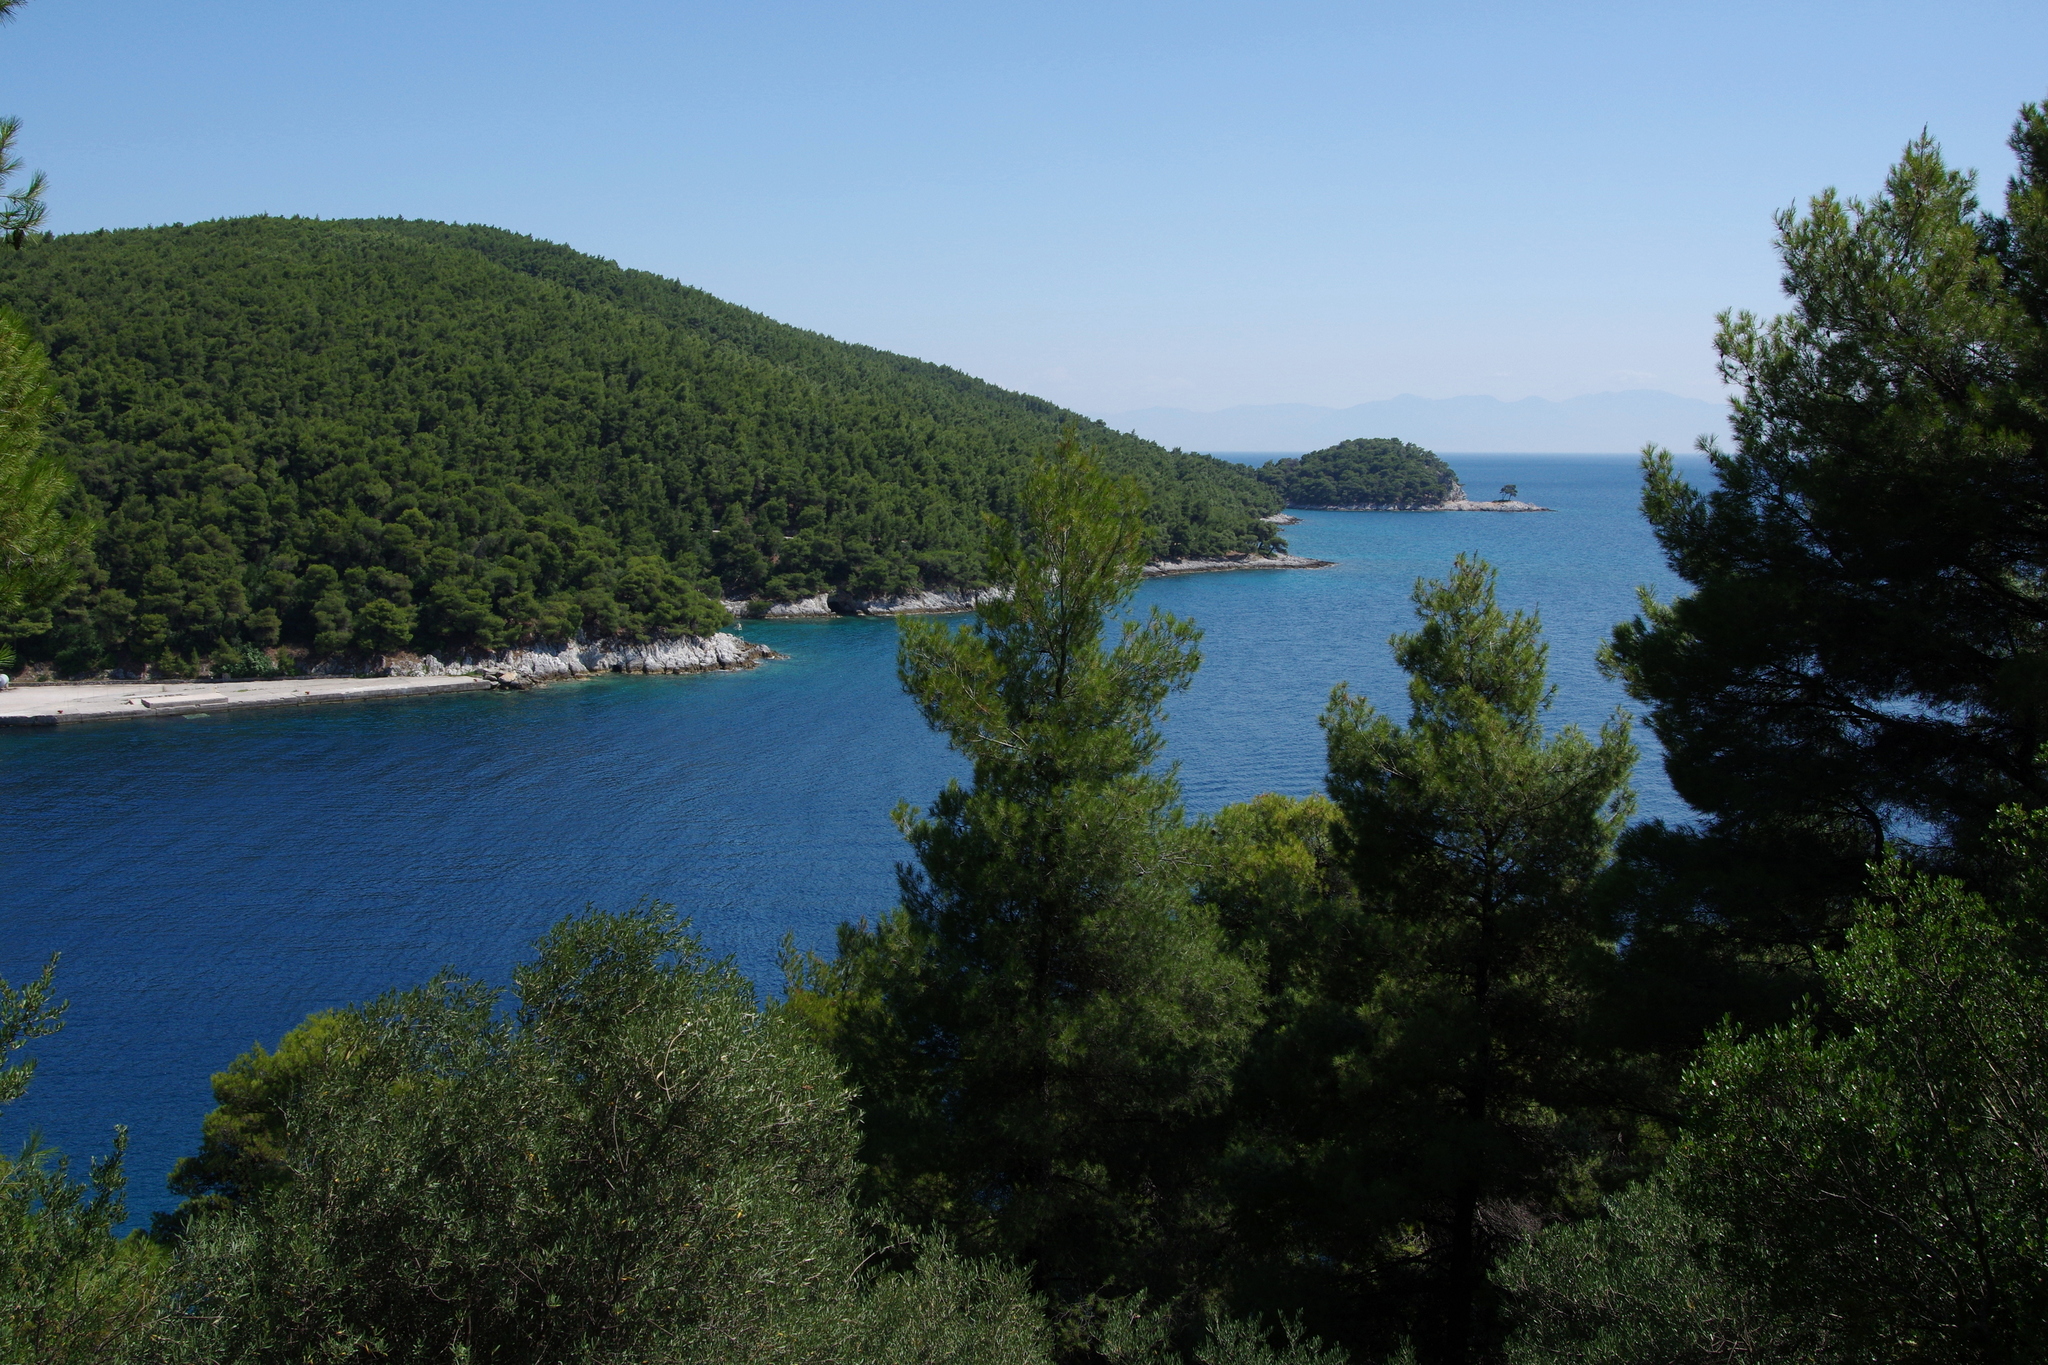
[1865, 1184]
[69, 1292]
[624, 1161]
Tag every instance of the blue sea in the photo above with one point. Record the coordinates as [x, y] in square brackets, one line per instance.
[209, 882]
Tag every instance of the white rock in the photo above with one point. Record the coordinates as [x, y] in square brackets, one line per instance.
[950, 599]
[845, 604]
[1162, 568]
[579, 658]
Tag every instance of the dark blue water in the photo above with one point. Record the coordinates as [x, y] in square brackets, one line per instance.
[209, 882]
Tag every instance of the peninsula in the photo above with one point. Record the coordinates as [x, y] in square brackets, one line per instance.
[384, 677]
[73, 703]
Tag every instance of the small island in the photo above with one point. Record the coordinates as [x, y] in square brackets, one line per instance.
[1378, 474]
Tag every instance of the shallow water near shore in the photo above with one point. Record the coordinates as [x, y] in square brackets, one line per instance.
[210, 881]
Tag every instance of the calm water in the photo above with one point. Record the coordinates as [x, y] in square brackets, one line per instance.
[209, 882]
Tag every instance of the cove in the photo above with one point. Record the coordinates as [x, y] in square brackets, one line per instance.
[211, 881]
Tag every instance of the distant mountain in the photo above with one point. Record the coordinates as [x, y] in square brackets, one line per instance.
[1593, 424]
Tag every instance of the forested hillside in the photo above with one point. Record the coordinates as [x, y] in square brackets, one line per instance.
[359, 436]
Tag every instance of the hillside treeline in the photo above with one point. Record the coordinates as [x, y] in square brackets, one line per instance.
[1452, 1065]
[363, 436]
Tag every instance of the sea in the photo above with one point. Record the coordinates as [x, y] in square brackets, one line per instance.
[207, 882]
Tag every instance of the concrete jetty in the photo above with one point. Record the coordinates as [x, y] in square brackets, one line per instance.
[69, 703]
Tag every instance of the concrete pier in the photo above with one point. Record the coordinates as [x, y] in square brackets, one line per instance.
[69, 703]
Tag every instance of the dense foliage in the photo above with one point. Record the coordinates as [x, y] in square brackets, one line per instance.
[1436, 1012]
[1044, 1033]
[1865, 1183]
[621, 1159]
[359, 436]
[630, 1164]
[1862, 651]
[37, 542]
[1362, 473]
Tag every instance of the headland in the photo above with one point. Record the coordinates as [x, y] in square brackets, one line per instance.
[44, 704]
[395, 675]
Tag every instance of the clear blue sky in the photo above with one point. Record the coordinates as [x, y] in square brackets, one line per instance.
[1114, 205]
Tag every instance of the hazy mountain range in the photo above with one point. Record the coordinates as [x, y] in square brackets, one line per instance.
[1593, 424]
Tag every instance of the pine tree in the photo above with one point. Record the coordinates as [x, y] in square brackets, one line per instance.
[1859, 654]
[37, 542]
[1045, 1030]
[1472, 839]
[1864, 1183]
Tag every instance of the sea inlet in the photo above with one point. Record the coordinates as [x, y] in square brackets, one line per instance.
[211, 880]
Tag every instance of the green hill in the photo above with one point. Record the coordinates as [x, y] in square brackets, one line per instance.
[1367, 472]
[357, 436]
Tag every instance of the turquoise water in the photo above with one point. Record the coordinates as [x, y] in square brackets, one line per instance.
[209, 882]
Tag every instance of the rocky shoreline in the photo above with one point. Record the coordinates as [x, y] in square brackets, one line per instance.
[929, 603]
[825, 606]
[582, 659]
[1166, 568]
[390, 675]
[1450, 505]
[520, 666]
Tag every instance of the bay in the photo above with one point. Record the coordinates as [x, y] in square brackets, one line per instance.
[209, 882]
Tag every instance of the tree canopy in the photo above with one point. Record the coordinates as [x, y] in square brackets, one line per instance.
[37, 542]
[365, 435]
[1861, 654]
[1422, 1070]
[1862, 1183]
[1049, 1018]
[1368, 472]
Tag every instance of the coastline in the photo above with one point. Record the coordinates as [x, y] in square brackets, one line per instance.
[47, 704]
[1448, 505]
[42, 704]
[524, 665]
[932, 602]
[38, 704]
[1166, 568]
[825, 606]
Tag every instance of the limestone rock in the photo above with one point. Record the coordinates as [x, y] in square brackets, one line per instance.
[526, 664]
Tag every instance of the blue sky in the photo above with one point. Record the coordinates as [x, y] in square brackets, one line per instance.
[1115, 205]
